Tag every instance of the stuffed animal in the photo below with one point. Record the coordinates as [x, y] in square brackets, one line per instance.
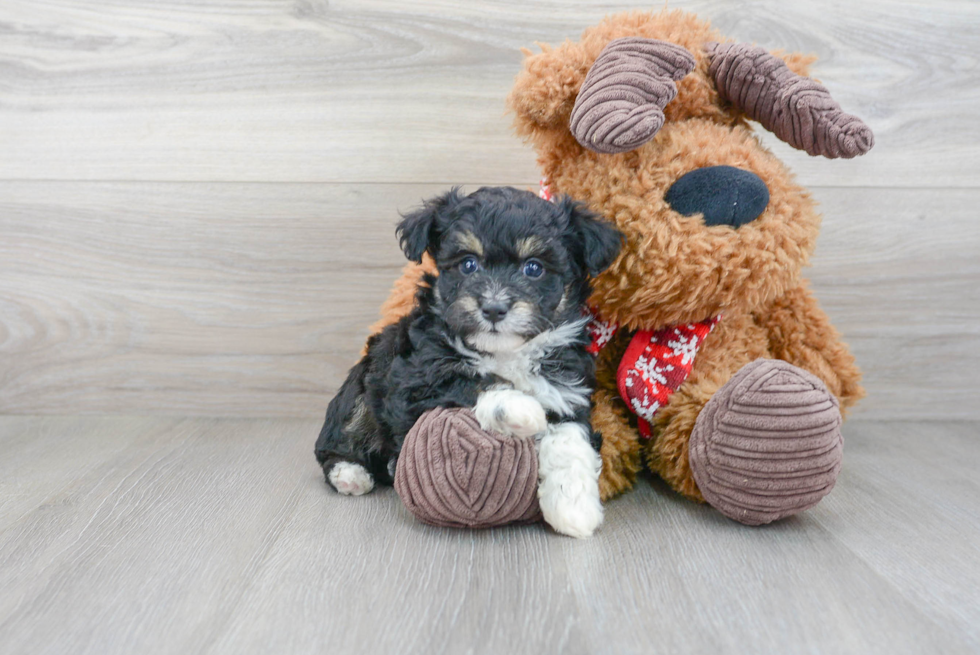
[717, 370]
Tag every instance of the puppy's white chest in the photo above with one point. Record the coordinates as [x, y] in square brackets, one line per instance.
[524, 373]
[516, 368]
[521, 367]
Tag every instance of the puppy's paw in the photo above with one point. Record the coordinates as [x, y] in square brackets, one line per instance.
[573, 514]
[568, 486]
[351, 479]
[510, 412]
[524, 416]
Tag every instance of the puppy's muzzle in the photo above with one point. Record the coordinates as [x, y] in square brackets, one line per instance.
[495, 310]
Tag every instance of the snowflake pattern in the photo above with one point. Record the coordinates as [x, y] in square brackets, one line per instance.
[655, 365]
[645, 408]
[652, 370]
[686, 346]
[601, 332]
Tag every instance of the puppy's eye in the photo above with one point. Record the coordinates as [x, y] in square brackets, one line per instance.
[469, 265]
[533, 268]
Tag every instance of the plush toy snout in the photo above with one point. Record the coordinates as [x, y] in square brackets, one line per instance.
[725, 195]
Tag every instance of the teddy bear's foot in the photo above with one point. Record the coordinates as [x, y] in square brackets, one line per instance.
[452, 473]
[768, 443]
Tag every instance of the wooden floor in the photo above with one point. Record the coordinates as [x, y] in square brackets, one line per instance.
[130, 535]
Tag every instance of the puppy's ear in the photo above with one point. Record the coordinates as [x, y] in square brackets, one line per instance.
[594, 242]
[419, 231]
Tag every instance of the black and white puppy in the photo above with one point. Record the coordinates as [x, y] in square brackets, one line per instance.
[500, 330]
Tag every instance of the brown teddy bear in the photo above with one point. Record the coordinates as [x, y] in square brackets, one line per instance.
[716, 367]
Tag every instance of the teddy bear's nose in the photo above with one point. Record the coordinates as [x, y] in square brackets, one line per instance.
[724, 194]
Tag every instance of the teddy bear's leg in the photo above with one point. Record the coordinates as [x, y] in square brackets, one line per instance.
[801, 333]
[766, 445]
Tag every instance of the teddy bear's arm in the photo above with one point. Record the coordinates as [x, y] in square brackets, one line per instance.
[620, 445]
[621, 448]
[801, 334]
[402, 297]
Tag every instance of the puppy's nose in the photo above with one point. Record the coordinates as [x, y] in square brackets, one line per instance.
[724, 195]
[495, 311]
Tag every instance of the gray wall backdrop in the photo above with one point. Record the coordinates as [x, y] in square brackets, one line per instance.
[197, 200]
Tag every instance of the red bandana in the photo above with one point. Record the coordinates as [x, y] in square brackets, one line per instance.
[544, 190]
[656, 362]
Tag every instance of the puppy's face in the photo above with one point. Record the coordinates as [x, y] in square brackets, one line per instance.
[503, 277]
[511, 265]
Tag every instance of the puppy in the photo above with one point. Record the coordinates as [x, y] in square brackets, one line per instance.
[502, 330]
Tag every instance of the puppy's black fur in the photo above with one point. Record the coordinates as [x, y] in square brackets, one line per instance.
[511, 267]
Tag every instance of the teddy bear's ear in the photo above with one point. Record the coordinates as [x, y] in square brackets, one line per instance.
[612, 103]
[797, 109]
[621, 103]
[592, 240]
[419, 231]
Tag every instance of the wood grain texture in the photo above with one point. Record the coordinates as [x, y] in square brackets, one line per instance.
[190, 299]
[219, 536]
[898, 272]
[41, 458]
[152, 546]
[902, 478]
[383, 91]
[254, 300]
[197, 199]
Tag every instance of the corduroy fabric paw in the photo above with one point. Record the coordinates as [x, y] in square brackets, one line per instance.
[768, 444]
[452, 473]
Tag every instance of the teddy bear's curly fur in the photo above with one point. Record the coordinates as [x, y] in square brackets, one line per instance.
[674, 269]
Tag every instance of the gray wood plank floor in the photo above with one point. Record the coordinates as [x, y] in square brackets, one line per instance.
[128, 535]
